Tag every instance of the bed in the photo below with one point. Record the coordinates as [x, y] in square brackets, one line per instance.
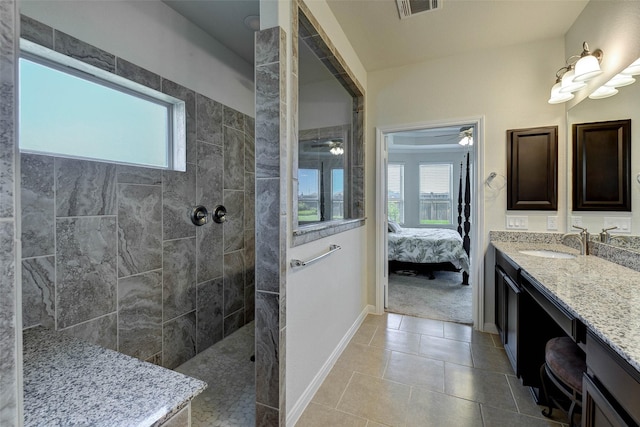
[433, 249]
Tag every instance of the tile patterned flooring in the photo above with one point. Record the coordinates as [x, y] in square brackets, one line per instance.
[407, 371]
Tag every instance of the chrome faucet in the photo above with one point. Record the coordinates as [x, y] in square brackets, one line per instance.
[583, 238]
[605, 236]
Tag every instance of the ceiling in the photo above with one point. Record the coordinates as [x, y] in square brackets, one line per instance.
[445, 137]
[382, 40]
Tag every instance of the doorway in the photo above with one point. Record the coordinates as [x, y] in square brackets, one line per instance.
[429, 216]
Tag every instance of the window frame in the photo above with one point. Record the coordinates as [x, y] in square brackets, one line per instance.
[450, 199]
[401, 212]
[176, 140]
[318, 197]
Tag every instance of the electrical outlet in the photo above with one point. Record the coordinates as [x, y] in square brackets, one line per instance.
[623, 224]
[576, 220]
[552, 222]
[517, 222]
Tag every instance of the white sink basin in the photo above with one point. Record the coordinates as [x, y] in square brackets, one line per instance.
[548, 254]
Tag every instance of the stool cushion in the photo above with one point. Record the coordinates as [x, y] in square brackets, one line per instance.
[566, 361]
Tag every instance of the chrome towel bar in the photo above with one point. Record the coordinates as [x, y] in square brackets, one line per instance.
[296, 263]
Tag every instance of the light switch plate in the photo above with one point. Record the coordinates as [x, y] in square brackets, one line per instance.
[517, 222]
[552, 222]
[623, 224]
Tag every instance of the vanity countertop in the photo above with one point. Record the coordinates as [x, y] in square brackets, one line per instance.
[603, 295]
[72, 382]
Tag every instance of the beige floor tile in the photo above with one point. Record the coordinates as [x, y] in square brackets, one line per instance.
[375, 424]
[416, 371]
[332, 387]
[378, 400]
[365, 333]
[491, 358]
[429, 409]
[496, 340]
[527, 405]
[391, 339]
[321, 416]
[386, 320]
[494, 417]
[423, 326]
[448, 350]
[458, 331]
[364, 359]
[490, 388]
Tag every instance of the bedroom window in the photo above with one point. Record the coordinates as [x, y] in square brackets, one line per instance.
[436, 188]
[308, 195]
[395, 192]
[337, 193]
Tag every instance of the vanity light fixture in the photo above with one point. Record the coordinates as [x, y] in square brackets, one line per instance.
[620, 80]
[603, 92]
[568, 83]
[558, 97]
[633, 69]
[466, 136]
[336, 148]
[588, 66]
[573, 76]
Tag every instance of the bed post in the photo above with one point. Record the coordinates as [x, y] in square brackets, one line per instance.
[466, 241]
[460, 203]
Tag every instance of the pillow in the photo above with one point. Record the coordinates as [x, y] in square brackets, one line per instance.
[394, 227]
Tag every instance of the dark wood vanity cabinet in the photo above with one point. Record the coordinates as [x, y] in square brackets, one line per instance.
[507, 304]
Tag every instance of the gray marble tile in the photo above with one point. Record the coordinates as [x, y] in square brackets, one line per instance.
[137, 74]
[209, 175]
[267, 243]
[249, 200]
[36, 31]
[249, 257]
[234, 225]
[209, 126]
[249, 303]
[71, 46]
[139, 228]
[267, 142]
[233, 159]
[249, 126]
[138, 175]
[233, 118]
[8, 366]
[267, 46]
[179, 283]
[189, 98]
[233, 322]
[7, 136]
[178, 197]
[266, 416]
[86, 267]
[179, 340]
[209, 313]
[140, 314]
[85, 188]
[209, 249]
[38, 292]
[233, 282]
[102, 331]
[249, 154]
[267, 349]
[358, 191]
[37, 198]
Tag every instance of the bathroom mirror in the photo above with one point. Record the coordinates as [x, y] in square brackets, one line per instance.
[622, 106]
[329, 172]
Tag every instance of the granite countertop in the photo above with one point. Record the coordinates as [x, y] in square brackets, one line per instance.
[72, 382]
[603, 295]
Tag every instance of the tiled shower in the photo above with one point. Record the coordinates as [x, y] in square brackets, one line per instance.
[109, 252]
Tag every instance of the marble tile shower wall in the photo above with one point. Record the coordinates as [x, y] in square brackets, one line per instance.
[109, 252]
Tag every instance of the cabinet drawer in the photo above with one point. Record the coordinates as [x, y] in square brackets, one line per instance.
[561, 316]
[510, 268]
[619, 378]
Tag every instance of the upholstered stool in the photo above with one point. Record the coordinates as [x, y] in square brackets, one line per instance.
[564, 366]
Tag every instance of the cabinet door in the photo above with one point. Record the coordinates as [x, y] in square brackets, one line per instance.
[500, 274]
[511, 321]
[597, 411]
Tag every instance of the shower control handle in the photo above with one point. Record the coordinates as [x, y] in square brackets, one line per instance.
[199, 215]
[219, 215]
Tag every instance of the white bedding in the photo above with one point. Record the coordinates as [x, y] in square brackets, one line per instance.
[428, 245]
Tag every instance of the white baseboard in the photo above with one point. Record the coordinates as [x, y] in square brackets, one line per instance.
[298, 408]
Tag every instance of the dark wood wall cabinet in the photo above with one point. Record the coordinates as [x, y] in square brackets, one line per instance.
[602, 166]
[527, 316]
[532, 168]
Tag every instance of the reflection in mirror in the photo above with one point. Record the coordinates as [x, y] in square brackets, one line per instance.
[330, 163]
[624, 105]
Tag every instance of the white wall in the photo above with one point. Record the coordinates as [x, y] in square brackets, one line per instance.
[508, 86]
[152, 35]
[323, 104]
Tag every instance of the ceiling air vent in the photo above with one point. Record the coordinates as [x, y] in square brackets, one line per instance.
[408, 8]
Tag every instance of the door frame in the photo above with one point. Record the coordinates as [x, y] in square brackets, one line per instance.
[476, 274]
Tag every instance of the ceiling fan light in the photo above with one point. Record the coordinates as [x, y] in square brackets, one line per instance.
[633, 69]
[603, 92]
[557, 97]
[568, 84]
[620, 80]
[587, 68]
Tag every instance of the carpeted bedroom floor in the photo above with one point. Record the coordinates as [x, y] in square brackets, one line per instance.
[442, 298]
